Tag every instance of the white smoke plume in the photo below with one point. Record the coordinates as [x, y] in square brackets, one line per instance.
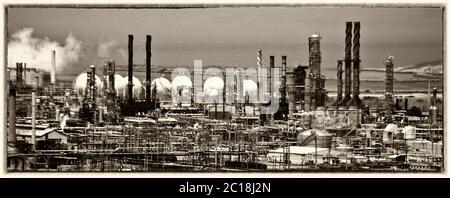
[105, 49]
[36, 52]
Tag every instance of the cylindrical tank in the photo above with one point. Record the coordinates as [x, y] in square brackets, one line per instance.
[307, 138]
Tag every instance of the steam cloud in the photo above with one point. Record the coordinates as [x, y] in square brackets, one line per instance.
[104, 50]
[36, 52]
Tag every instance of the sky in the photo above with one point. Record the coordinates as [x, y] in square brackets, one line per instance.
[221, 36]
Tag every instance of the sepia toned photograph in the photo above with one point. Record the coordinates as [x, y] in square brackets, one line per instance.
[224, 88]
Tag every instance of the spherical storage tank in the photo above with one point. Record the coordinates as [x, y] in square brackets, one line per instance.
[250, 89]
[137, 87]
[80, 84]
[163, 88]
[181, 85]
[120, 84]
[213, 90]
[323, 138]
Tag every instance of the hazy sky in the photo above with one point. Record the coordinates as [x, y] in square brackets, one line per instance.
[231, 36]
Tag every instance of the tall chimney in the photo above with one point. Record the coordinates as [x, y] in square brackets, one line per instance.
[111, 96]
[19, 74]
[271, 96]
[348, 63]
[12, 113]
[148, 74]
[356, 101]
[130, 68]
[33, 113]
[262, 117]
[53, 75]
[339, 83]
[388, 97]
[25, 73]
[406, 103]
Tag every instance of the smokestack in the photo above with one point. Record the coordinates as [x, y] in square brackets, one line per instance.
[130, 68]
[223, 97]
[271, 69]
[314, 54]
[348, 63]
[406, 103]
[148, 48]
[53, 75]
[111, 96]
[33, 113]
[19, 74]
[388, 98]
[259, 63]
[12, 113]
[339, 83]
[25, 73]
[356, 101]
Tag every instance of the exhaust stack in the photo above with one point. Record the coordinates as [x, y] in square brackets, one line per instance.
[148, 74]
[389, 89]
[130, 68]
[356, 101]
[33, 114]
[348, 64]
[53, 75]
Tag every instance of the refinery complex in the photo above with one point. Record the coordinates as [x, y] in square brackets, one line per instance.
[274, 116]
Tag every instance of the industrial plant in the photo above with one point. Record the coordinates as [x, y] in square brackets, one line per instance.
[279, 118]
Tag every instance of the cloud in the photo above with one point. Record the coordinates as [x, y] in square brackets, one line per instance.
[105, 49]
[36, 52]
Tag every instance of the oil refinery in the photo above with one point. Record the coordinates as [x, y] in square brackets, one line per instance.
[203, 121]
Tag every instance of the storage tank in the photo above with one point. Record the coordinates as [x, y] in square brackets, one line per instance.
[306, 138]
[213, 90]
[80, 84]
[163, 88]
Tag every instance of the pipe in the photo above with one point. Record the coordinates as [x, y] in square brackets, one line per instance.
[130, 68]
[12, 113]
[33, 114]
[348, 63]
[148, 74]
[53, 75]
